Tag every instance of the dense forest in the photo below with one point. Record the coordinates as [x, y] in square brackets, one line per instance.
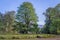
[24, 20]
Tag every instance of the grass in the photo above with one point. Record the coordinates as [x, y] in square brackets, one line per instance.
[26, 36]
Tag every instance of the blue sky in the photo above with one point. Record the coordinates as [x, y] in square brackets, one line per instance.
[39, 5]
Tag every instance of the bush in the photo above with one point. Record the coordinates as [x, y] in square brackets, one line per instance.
[2, 38]
[15, 37]
[38, 37]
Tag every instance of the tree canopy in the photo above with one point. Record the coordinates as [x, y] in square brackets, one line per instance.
[27, 16]
[53, 20]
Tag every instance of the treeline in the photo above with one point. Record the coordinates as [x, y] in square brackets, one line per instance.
[23, 21]
[52, 25]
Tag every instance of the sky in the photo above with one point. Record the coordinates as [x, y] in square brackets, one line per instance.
[39, 5]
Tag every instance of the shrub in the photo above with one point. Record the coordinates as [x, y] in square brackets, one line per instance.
[2, 37]
[15, 37]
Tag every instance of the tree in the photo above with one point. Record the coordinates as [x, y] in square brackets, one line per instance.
[9, 20]
[26, 15]
[35, 29]
[48, 21]
[53, 19]
[1, 23]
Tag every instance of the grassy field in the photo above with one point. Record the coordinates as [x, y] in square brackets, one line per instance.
[26, 36]
[29, 37]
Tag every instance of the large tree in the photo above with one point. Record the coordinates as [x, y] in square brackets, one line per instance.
[26, 15]
[53, 20]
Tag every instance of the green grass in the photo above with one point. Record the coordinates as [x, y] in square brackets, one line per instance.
[26, 36]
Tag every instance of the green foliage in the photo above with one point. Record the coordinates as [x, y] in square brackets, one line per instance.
[1, 23]
[9, 20]
[24, 21]
[26, 15]
[53, 19]
[6, 21]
